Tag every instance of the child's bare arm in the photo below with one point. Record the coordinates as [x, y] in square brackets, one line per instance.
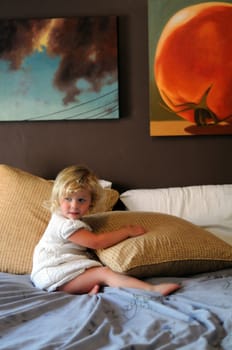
[102, 240]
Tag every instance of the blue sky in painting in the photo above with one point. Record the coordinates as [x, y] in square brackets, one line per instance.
[28, 93]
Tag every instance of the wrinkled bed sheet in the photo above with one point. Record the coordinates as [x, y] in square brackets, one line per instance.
[197, 317]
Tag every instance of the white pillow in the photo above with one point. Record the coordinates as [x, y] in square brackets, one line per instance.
[208, 206]
[105, 183]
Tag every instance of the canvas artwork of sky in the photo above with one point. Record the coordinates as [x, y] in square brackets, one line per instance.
[59, 69]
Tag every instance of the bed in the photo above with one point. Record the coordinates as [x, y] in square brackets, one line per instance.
[188, 241]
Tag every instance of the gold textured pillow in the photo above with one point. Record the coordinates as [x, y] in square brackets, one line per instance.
[171, 247]
[23, 217]
[110, 198]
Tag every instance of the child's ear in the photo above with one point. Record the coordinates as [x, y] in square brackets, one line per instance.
[91, 206]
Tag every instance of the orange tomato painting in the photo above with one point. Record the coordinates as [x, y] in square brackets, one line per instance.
[190, 67]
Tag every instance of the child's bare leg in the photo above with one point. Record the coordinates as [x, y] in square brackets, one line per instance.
[86, 282]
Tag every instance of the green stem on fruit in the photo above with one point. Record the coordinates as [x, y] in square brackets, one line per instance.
[203, 116]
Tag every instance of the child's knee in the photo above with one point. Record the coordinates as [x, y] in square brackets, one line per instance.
[108, 273]
[106, 270]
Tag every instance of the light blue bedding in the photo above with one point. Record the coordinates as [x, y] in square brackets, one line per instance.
[197, 317]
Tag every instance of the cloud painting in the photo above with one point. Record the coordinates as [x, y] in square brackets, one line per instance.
[58, 68]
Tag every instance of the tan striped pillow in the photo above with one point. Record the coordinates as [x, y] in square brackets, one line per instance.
[23, 218]
[171, 247]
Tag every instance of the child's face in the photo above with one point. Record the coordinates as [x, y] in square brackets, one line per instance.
[75, 205]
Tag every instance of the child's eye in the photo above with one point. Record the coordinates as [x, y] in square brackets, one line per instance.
[81, 200]
[68, 199]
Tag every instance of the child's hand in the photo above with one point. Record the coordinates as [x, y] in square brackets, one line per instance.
[135, 230]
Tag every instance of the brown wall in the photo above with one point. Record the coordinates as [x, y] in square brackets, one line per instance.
[120, 150]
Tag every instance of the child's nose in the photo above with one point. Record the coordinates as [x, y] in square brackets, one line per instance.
[74, 204]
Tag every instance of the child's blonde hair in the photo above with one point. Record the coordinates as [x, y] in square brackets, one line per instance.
[72, 179]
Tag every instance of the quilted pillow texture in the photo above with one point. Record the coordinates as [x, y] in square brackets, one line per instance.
[109, 199]
[171, 247]
[23, 217]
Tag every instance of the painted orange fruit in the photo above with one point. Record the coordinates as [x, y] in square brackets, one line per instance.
[193, 63]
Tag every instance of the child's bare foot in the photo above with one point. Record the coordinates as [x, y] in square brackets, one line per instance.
[94, 290]
[166, 288]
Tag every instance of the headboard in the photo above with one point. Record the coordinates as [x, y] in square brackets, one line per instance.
[119, 150]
